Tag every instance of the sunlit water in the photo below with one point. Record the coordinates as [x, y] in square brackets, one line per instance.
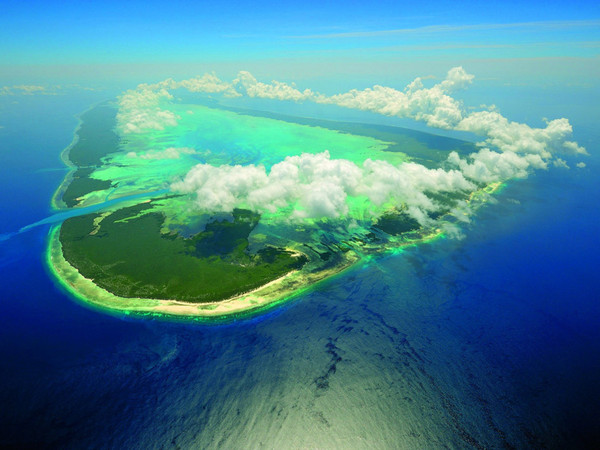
[487, 342]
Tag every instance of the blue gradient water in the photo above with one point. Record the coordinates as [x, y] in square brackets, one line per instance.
[487, 342]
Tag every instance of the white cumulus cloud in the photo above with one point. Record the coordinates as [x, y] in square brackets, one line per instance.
[315, 186]
[139, 111]
[487, 166]
[275, 90]
[433, 106]
[559, 162]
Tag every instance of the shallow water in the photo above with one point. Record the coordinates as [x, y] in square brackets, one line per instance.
[487, 342]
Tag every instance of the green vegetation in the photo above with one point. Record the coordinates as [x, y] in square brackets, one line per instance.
[97, 136]
[96, 139]
[396, 223]
[82, 184]
[126, 254]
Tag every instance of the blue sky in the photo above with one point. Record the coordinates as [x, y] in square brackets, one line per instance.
[181, 31]
[350, 43]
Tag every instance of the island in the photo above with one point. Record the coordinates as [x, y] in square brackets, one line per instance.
[151, 251]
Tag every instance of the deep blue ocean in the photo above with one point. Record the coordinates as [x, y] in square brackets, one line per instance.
[492, 341]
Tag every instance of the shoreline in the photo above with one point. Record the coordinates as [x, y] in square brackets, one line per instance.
[246, 304]
[56, 202]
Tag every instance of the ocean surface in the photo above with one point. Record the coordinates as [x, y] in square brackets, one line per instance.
[491, 341]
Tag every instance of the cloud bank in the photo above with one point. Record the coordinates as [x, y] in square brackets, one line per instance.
[140, 110]
[315, 186]
[434, 105]
[24, 89]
